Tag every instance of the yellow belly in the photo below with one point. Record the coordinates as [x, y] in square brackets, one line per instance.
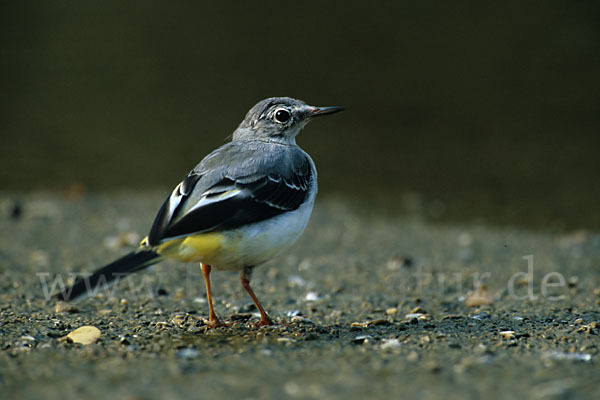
[205, 248]
[250, 245]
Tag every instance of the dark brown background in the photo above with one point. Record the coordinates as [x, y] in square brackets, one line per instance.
[459, 110]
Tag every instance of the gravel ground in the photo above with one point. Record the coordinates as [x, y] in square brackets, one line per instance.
[367, 305]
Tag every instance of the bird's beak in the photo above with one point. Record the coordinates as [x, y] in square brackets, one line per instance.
[317, 111]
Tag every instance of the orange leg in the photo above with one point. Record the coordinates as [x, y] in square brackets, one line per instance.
[245, 279]
[213, 320]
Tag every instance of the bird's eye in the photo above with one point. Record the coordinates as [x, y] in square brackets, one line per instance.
[282, 116]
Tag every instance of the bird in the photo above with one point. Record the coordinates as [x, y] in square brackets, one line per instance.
[242, 205]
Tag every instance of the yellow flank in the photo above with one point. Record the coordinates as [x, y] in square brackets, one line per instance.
[202, 247]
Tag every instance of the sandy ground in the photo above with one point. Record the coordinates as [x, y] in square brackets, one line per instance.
[366, 304]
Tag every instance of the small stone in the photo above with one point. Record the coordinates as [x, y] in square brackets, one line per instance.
[433, 367]
[479, 297]
[509, 335]
[412, 356]
[557, 355]
[389, 344]
[161, 325]
[465, 239]
[482, 349]
[391, 311]
[305, 265]
[302, 320]
[453, 316]
[178, 320]
[362, 339]
[587, 329]
[40, 258]
[573, 281]
[424, 339]
[63, 306]
[123, 239]
[187, 353]
[286, 340]
[379, 322]
[312, 296]
[84, 335]
[481, 316]
[413, 315]
[296, 281]
[292, 313]
[399, 262]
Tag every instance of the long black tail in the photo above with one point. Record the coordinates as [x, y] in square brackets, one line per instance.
[127, 264]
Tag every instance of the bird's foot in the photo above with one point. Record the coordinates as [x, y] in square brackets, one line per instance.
[265, 320]
[216, 323]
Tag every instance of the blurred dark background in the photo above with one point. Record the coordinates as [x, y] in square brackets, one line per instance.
[459, 110]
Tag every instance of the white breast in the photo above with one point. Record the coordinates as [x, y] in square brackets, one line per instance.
[257, 243]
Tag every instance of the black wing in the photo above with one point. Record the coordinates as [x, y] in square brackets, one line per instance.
[230, 203]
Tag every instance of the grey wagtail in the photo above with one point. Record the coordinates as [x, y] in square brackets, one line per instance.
[245, 202]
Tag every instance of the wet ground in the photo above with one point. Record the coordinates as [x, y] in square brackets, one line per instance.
[367, 305]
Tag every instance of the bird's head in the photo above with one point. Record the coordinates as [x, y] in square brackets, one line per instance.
[278, 119]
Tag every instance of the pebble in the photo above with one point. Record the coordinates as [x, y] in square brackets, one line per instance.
[391, 311]
[40, 258]
[178, 320]
[465, 239]
[479, 297]
[286, 340]
[63, 306]
[123, 239]
[481, 316]
[187, 353]
[379, 322]
[507, 334]
[301, 319]
[84, 335]
[587, 329]
[160, 325]
[398, 262]
[292, 313]
[362, 339]
[312, 296]
[389, 344]
[560, 355]
[412, 356]
[296, 281]
[417, 317]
